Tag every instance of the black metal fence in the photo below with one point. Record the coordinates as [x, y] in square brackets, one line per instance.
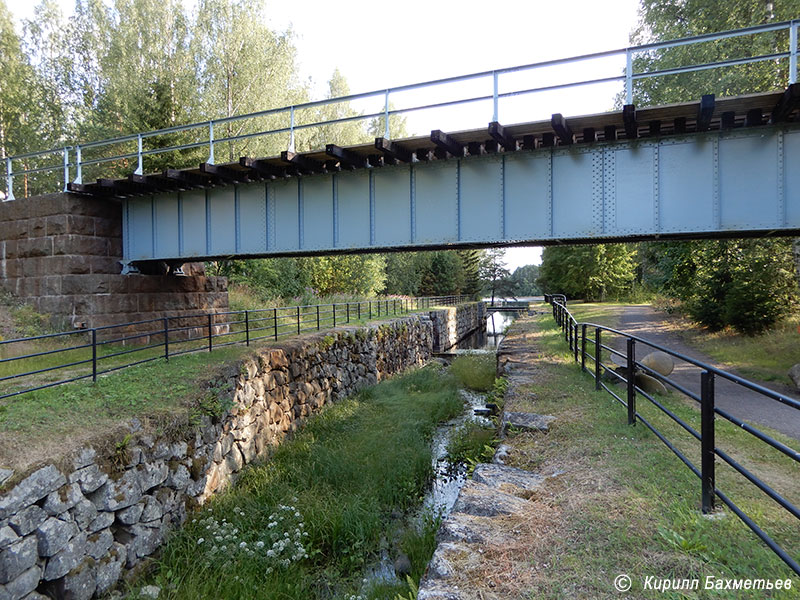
[578, 336]
[35, 363]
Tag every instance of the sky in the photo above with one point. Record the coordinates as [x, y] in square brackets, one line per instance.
[378, 45]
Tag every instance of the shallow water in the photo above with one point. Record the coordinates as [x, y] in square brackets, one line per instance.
[448, 477]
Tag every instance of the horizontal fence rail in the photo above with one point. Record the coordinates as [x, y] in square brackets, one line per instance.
[87, 354]
[134, 148]
[588, 342]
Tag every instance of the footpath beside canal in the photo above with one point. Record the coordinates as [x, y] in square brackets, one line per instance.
[566, 510]
[475, 556]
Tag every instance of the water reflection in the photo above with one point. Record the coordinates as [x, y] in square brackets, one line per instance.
[489, 337]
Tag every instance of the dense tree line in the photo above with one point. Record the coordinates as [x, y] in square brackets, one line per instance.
[747, 284]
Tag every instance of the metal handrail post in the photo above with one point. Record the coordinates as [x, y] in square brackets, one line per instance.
[139, 168]
[628, 76]
[275, 321]
[210, 342]
[166, 339]
[495, 99]
[707, 441]
[247, 326]
[66, 168]
[94, 355]
[583, 347]
[569, 335]
[386, 115]
[575, 342]
[291, 129]
[597, 355]
[334, 314]
[211, 142]
[630, 374]
[348, 312]
[9, 180]
[298, 320]
[317, 317]
[78, 165]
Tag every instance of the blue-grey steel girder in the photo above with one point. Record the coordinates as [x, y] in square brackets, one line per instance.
[709, 184]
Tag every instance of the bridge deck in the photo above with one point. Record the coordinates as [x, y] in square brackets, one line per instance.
[627, 124]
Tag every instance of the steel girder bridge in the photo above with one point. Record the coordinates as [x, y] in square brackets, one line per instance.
[713, 167]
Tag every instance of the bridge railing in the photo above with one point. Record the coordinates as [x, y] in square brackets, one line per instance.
[107, 157]
[35, 363]
[590, 342]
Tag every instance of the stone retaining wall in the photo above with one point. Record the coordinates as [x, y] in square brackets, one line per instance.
[71, 530]
[61, 254]
[453, 324]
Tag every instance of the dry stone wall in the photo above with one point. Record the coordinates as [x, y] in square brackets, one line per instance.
[71, 530]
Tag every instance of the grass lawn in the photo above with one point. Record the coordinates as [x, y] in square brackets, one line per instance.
[767, 357]
[306, 522]
[621, 502]
[43, 425]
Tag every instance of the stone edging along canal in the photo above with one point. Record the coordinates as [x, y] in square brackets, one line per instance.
[71, 528]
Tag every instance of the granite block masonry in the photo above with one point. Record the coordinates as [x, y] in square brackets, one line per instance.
[61, 254]
[71, 529]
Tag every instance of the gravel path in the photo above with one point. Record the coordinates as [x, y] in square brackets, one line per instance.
[644, 322]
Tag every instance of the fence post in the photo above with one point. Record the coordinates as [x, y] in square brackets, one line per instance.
[575, 342]
[630, 374]
[298, 320]
[569, 335]
[166, 339]
[247, 326]
[707, 441]
[359, 310]
[317, 317]
[348, 312]
[583, 347]
[378, 304]
[94, 355]
[334, 314]
[209, 333]
[369, 305]
[597, 353]
[275, 322]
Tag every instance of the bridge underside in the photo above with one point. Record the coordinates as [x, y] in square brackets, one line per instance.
[719, 173]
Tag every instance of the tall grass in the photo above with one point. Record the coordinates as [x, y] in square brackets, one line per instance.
[349, 474]
[475, 370]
